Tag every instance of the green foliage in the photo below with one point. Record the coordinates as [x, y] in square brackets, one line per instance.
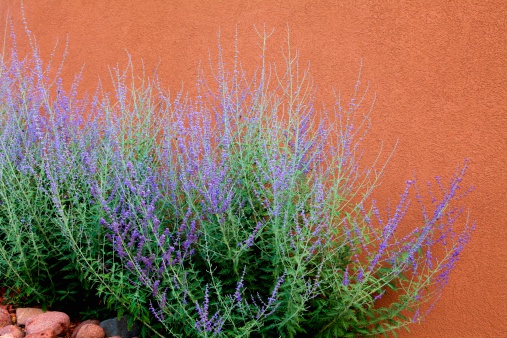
[240, 213]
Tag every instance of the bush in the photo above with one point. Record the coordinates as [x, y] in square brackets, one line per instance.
[243, 211]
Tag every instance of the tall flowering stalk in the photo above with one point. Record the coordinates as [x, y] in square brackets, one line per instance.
[242, 211]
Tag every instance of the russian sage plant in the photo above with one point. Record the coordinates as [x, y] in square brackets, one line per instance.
[36, 138]
[244, 210]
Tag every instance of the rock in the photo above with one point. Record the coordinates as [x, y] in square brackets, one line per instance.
[22, 314]
[89, 321]
[118, 327]
[11, 331]
[47, 333]
[5, 318]
[54, 320]
[91, 331]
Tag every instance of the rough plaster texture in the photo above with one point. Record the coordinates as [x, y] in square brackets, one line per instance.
[439, 70]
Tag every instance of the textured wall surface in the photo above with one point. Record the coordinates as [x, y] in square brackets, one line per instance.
[439, 69]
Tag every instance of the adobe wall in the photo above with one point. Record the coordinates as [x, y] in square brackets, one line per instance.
[439, 70]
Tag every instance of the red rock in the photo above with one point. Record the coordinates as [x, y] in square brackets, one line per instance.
[90, 321]
[54, 320]
[11, 331]
[91, 331]
[5, 318]
[48, 333]
[22, 314]
[8, 335]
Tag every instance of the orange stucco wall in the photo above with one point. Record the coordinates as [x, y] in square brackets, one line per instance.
[439, 69]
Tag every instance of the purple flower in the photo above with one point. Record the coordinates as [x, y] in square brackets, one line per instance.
[239, 287]
[346, 277]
